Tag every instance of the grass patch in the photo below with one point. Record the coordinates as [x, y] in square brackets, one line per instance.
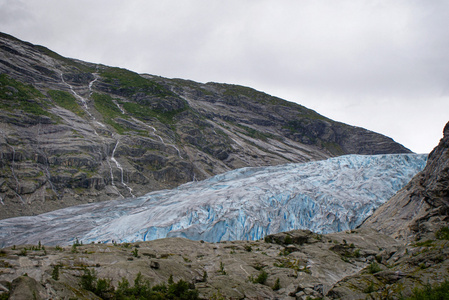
[145, 113]
[428, 243]
[261, 278]
[260, 97]
[109, 110]
[442, 233]
[440, 291]
[374, 268]
[129, 83]
[67, 101]
[255, 133]
[15, 95]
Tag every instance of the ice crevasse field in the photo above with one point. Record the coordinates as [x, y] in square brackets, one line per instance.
[245, 204]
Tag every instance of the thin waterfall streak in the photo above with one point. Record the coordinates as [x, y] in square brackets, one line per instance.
[158, 136]
[119, 166]
[119, 107]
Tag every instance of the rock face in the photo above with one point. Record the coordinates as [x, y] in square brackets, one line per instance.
[418, 217]
[73, 132]
[422, 206]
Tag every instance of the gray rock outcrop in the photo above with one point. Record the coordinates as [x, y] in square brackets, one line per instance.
[422, 206]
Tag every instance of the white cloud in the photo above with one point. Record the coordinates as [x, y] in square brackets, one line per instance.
[378, 64]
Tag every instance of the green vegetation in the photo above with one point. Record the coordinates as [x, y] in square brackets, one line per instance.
[141, 290]
[436, 292]
[370, 288]
[145, 113]
[427, 243]
[129, 83]
[135, 252]
[260, 97]
[293, 264]
[261, 278]
[222, 270]
[248, 248]
[106, 106]
[288, 240]
[55, 272]
[15, 95]
[255, 133]
[442, 233]
[277, 285]
[67, 101]
[374, 268]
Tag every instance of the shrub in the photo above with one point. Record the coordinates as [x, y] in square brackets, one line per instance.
[427, 243]
[277, 285]
[55, 272]
[370, 288]
[442, 233]
[104, 288]
[135, 252]
[222, 270]
[261, 278]
[88, 280]
[181, 290]
[288, 240]
[440, 291]
[374, 268]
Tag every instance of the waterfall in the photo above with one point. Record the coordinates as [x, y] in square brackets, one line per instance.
[119, 166]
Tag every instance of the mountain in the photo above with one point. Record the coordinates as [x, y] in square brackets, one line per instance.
[74, 132]
[423, 205]
[245, 204]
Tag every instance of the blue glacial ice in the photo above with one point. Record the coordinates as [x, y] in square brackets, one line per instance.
[245, 204]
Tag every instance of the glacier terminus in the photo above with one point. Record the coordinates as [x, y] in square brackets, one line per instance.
[244, 204]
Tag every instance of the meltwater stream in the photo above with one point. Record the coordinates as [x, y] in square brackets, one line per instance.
[245, 204]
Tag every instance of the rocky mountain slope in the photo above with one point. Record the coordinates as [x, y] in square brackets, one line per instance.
[245, 204]
[423, 205]
[73, 132]
[417, 216]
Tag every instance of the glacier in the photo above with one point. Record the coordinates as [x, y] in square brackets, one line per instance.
[244, 204]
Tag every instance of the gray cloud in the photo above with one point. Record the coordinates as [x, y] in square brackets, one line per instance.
[381, 65]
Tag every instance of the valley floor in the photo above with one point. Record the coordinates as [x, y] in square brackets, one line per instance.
[354, 264]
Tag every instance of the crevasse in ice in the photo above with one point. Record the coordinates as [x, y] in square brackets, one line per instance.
[245, 204]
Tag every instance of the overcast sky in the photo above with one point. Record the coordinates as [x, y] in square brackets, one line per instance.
[381, 65]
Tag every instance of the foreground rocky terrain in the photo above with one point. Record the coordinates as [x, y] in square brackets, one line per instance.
[301, 262]
[73, 132]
